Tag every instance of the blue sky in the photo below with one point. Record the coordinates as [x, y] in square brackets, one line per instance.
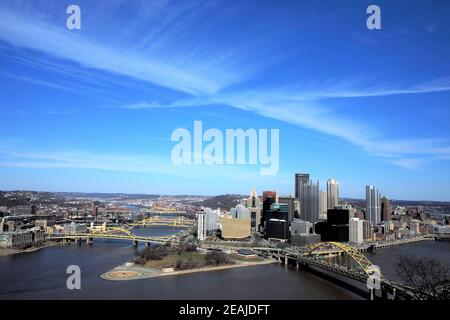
[93, 109]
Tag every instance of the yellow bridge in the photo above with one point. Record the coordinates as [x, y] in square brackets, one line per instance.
[113, 233]
[342, 259]
[180, 222]
[338, 250]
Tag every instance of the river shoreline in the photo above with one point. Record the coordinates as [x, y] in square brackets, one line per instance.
[135, 272]
[5, 252]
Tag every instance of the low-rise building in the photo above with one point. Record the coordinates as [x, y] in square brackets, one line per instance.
[22, 238]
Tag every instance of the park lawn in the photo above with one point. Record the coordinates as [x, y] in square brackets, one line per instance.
[170, 260]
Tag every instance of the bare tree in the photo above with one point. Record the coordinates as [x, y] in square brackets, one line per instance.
[427, 276]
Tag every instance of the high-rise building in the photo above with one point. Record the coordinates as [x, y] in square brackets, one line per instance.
[207, 223]
[290, 201]
[240, 212]
[277, 229]
[253, 199]
[278, 211]
[336, 228]
[308, 195]
[332, 193]
[356, 230]
[367, 230]
[272, 194]
[300, 178]
[323, 205]
[385, 209]
[267, 203]
[373, 205]
[254, 207]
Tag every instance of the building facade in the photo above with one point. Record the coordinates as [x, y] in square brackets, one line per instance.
[373, 205]
[332, 193]
[356, 231]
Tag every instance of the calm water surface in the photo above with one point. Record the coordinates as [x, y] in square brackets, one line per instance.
[42, 275]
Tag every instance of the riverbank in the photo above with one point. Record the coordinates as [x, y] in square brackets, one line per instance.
[4, 252]
[133, 272]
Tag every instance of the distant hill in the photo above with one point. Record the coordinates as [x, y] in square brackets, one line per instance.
[224, 202]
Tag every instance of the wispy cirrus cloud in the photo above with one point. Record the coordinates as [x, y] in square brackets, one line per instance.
[158, 58]
[306, 109]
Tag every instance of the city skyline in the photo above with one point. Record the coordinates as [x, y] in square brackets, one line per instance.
[366, 107]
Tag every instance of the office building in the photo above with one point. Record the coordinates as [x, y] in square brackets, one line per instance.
[336, 228]
[253, 205]
[300, 179]
[373, 205]
[290, 202]
[322, 205]
[356, 231]
[235, 228]
[240, 212]
[301, 227]
[267, 203]
[277, 229]
[367, 230]
[272, 194]
[386, 214]
[308, 195]
[278, 211]
[207, 223]
[332, 193]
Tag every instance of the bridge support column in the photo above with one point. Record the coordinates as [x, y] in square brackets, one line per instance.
[372, 294]
[89, 240]
[286, 261]
[134, 243]
[147, 244]
[297, 265]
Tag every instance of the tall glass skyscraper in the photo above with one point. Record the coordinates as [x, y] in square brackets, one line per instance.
[332, 193]
[300, 178]
[373, 205]
[308, 194]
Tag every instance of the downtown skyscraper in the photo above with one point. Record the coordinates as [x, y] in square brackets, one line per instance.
[332, 193]
[308, 194]
[373, 205]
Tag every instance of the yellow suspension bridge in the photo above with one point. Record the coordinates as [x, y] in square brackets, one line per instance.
[180, 222]
[112, 233]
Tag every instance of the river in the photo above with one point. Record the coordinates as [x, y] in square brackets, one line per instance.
[42, 275]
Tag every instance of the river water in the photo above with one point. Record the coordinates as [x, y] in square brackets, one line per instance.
[42, 275]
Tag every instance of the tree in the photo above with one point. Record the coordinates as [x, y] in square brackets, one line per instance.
[153, 253]
[429, 277]
[215, 258]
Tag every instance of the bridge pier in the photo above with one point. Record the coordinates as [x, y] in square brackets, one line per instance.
[147, 244]
[297, 265]
[134, 243]
[89, 240]
[372, 294]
